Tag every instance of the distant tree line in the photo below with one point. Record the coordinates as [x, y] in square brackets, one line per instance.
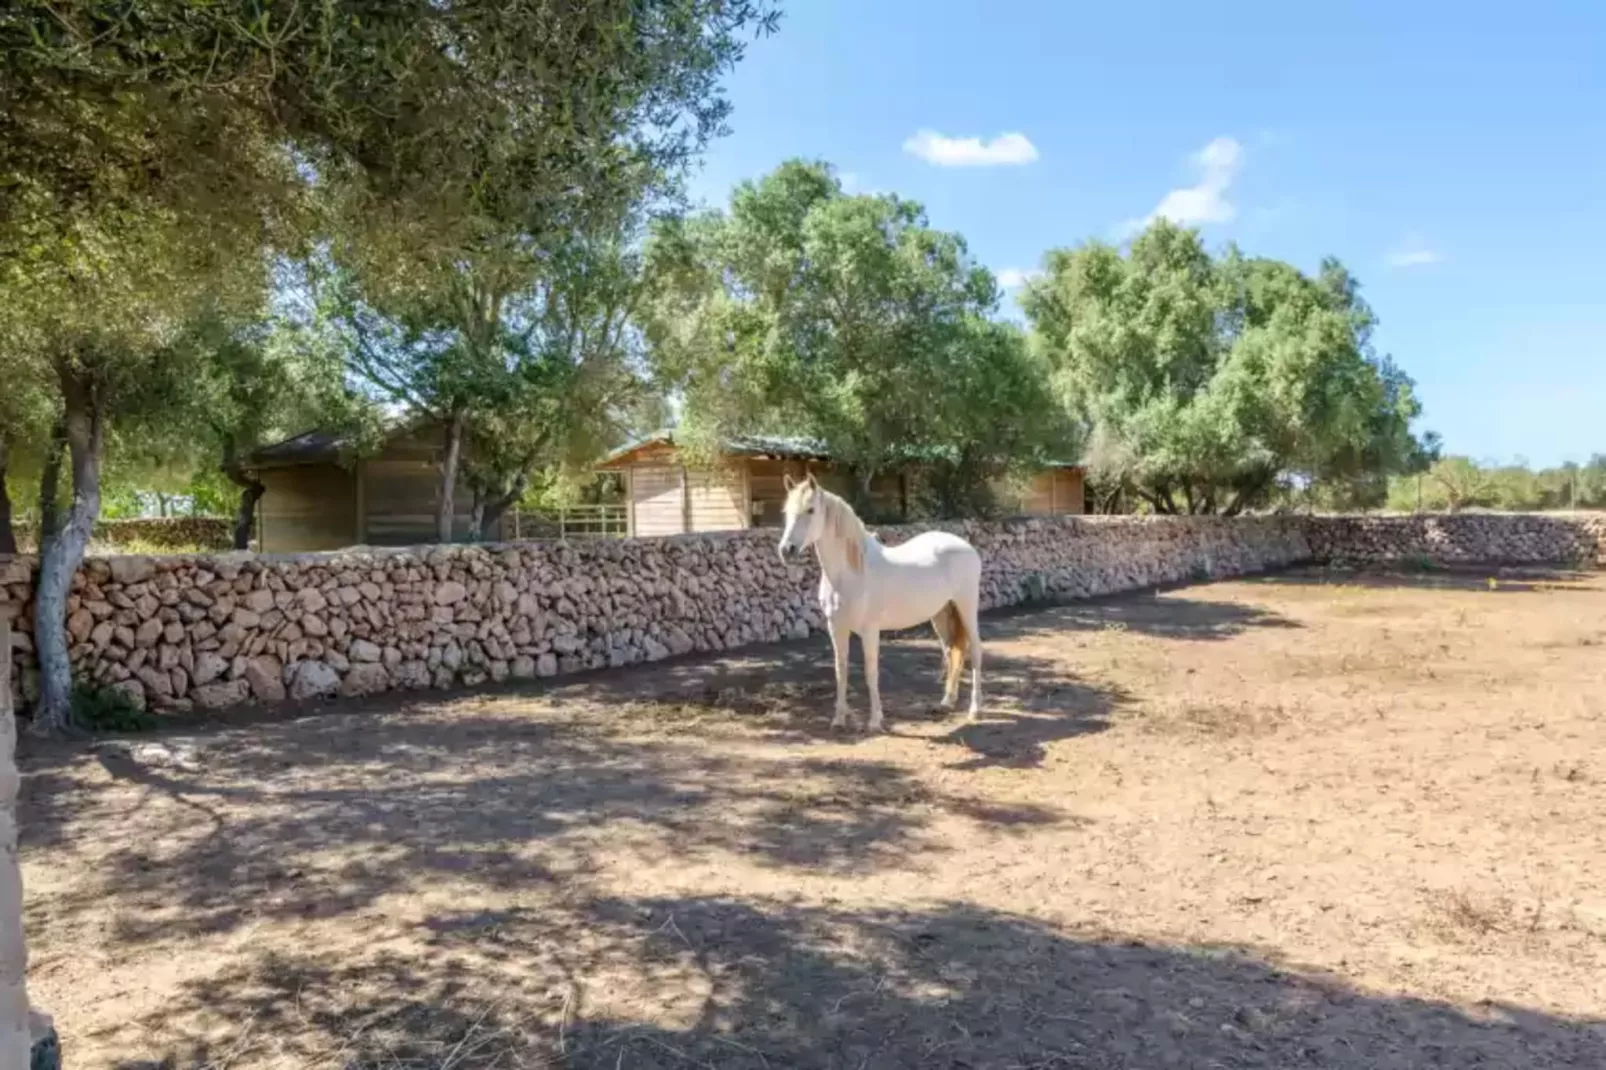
[1454, 483]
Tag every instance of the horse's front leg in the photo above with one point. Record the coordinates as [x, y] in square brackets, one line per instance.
[841, 639]
[871, 642]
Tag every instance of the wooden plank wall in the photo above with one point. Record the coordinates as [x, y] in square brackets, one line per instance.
[400, 489]
[717, 499]
[1052, 492]
[767, 485]
[1070, 493]
[657, 503]
[308, 508]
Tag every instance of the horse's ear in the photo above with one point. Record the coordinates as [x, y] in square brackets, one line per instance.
[815, 483]
[787, 481]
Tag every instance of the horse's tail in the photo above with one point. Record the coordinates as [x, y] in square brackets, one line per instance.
[955, 635]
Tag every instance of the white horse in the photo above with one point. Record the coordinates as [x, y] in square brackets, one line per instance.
[868, 588]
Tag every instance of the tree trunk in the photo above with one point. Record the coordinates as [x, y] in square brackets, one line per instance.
[8, 533]
[26, 1036]
[61, 556]
[863, 476]
[251, 491]
[50, 484]
[445, 510]
[245, 516]
[489, 511]
[476, 518]
[1244, 496]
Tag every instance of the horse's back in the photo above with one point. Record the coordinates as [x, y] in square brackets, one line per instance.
[938, 554]
[932, 548]
[910, 583]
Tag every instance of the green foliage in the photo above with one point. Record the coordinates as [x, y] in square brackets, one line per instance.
[106, 709]
[1454, 483]
[849, 320]
[1203, 381]
[155, 154]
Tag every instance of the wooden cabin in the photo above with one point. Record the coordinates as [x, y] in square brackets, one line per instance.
[746, 487]
[1057, 490]
[320, 496]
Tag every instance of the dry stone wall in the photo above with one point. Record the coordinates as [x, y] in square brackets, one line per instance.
[214, 631]
[1461, 538]
[217, 631]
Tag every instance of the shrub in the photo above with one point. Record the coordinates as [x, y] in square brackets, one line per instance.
[107, 709]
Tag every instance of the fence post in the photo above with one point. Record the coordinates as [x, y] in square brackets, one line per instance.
[27, 1037]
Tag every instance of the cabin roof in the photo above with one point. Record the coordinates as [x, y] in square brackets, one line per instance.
[318, 446]
[779, 447]
[324, 445]
[775, 447]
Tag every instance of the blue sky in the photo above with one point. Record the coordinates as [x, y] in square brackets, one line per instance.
[1454, 159]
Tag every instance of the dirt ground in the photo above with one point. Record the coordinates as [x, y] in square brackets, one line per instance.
[1311, 820]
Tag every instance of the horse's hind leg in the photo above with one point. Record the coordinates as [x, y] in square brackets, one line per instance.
[969, 611]
[947, 626]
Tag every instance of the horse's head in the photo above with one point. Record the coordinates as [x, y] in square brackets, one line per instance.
[805, 516]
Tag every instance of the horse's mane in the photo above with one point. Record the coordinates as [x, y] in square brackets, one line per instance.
[844, 525]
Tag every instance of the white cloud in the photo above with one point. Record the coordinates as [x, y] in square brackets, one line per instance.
[1005, 150]
[1413, 252]
[1217, 165]
[1012, 278]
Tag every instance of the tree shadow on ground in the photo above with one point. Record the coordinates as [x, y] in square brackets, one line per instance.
[321, 816]
[794, 684]
[667, 984]
[1149, 613]
[1515, 579]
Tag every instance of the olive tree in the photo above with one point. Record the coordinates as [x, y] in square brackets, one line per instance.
[1203, 381]
[849, 319]
[154, 152]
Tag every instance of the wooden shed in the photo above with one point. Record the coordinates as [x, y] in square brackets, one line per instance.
[1057, 490]
[664, 495]
[746, 487]
[321, 497]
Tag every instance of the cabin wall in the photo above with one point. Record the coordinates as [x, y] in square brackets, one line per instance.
[767, 486]
[385, 500]
[1051, 492]
[311, 507]
[717, 498]
[657, 500]
[668, 499]
[400, 490]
